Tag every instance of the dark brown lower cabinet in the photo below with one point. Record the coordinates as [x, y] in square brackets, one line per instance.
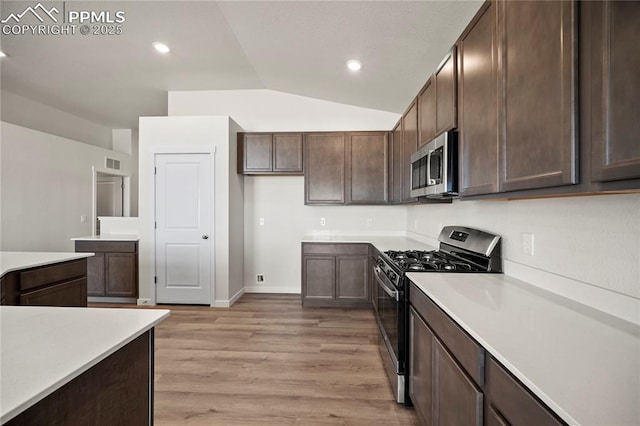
[457, 399]
[58, 284]
[453, 382]
[511, 403]
[113, 271]
[441, 390]
[421, 367]
[335, 275]
[116, 391]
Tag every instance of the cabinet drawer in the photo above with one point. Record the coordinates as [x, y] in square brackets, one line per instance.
[107, 246]
[70, 293]
[513, 402]
[51, 274]
[468, 353]
[335, 248]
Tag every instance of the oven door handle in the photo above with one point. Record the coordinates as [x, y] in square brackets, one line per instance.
[394, 294]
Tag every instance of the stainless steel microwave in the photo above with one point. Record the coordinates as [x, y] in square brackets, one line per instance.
[434, 168]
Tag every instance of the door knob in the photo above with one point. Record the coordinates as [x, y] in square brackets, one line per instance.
[205, 237]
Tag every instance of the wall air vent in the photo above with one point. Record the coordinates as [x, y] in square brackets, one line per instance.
[110, 163]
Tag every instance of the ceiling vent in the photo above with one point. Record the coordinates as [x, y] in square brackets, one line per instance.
[111, 163]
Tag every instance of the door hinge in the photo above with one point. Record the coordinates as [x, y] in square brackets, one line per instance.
[156, 225]
[155, 280]
[155, 170]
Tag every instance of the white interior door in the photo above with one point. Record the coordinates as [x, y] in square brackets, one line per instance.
[184, 214]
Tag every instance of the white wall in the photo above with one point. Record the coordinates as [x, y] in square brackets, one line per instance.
[24, 112]
[259, 110]
[274, 249]
[47, 184]
[200, 135]
[594, 241]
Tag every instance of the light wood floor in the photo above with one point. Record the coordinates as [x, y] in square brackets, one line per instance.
[267, 361]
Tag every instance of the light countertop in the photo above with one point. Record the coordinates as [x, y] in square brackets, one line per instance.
[108, 237]
[584, 364]
[15, 260]
[44, 348]
[380, 242]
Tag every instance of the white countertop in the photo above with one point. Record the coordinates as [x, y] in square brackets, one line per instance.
[15, 260]
[108, 237]
[584, 364]
[44, 348]
[380, 242]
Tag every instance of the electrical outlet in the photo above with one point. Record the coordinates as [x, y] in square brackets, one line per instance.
[259, 278]
[83, 219]
[528, 244]
[323, 222]
[261, 221]
[369, 223]
[415, 224]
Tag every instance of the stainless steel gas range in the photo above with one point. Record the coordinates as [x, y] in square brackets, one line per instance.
[462, 250]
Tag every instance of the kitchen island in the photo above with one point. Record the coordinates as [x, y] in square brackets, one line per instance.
[77, 365]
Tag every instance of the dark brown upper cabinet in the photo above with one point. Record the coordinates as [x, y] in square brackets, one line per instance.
[477, 105]
[396, 164]
[270, 153]
[409, 146]
[446, 92]
[367, 160]
[537, 94]
[427, 111]
[614, 31]
[324, 165]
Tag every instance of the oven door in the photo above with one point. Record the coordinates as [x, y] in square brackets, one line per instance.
[390, 314]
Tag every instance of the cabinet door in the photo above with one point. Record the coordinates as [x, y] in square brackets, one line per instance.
[457, 400]
[537, 87]
[69, 293]
[427, 112]
[446, 92]
[515, 405]
[318, 278]
[367, 158]
[478, 130]
[397, 161]
[352, 278]
[121, 274]
[287, 153]
[409, 146]
[257, 152]
[421, 367]
[324, 165]
[615, 86]
[95, 275]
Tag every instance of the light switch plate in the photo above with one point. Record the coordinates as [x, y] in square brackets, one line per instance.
[261, 221]
[323, 222]
[528, 243]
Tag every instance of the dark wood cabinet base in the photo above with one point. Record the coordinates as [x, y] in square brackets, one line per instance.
[117, 391]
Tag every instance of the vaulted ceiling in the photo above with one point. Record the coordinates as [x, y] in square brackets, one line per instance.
[298, 47]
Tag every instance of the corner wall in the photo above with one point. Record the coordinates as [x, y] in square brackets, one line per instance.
[194, 135]
[47, 185]
[274, 249]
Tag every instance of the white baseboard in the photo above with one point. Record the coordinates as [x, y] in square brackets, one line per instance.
[230, 302]
[272, 289]
[144, 301]
[616, 304]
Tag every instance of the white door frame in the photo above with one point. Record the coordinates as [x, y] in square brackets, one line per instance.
[126, 193]
[177, 150]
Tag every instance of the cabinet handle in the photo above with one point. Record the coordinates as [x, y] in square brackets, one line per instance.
[205, 237]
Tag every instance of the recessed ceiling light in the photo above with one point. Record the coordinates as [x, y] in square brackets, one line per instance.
[354, 65]
[2, 54]
[161, 47]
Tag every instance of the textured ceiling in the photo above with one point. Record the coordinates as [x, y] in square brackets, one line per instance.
[292, 46]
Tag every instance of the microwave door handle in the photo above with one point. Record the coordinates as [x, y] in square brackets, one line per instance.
[428, 179]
